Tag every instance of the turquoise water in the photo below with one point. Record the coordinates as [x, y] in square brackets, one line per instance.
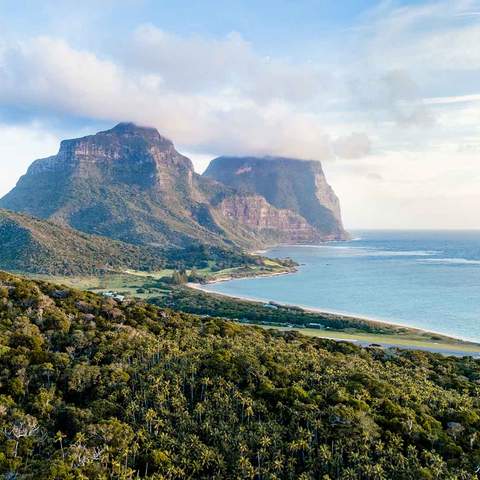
[429, 280]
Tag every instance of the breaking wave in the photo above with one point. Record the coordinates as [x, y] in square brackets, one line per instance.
[450, 261]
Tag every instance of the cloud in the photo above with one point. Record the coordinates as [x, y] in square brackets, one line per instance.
[374, 176]
[18, 147]
[218, 94]
[410, 60]
[392, 96]
[202, 64]
[452, 99]
[48, 76]
[432, 36]
[189, 63]
[355, 145]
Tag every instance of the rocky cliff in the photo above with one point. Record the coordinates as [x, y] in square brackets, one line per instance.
[272, 224]
[130, 183]
[295, 186]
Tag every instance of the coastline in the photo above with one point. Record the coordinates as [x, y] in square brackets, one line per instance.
[245, 277]
[353, 317]
[198, 286]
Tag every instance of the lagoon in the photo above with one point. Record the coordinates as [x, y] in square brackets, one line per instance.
[423, 279]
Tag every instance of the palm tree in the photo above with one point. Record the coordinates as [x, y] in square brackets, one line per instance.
[59, 436]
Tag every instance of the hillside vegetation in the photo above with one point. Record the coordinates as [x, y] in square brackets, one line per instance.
[91, 388]
[274, 315]
[39, 246]
[31, 245]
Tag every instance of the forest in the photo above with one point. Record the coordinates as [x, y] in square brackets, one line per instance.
[95, 388]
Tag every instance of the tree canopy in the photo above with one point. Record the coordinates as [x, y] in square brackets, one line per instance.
[92, 388]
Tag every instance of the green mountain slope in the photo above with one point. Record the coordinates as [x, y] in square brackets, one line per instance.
[93, 388]
[38, 246]
[32, 245]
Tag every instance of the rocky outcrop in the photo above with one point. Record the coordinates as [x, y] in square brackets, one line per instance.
[272, 224]
[288, 184]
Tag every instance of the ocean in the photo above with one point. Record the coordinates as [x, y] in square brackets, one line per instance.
[423, 279]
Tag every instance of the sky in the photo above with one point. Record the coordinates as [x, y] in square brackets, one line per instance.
[386, 94]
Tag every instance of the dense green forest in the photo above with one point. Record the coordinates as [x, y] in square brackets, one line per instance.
[91, 388]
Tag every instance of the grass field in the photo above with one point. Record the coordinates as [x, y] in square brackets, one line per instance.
[130, 281]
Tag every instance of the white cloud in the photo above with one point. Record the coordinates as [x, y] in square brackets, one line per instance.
[354, 145]
[452, 99]
[431, 36]
[405, 53]
[230, 64]
[18, 147]
[49, 76]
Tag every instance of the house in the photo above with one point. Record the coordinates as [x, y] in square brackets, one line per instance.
[114, 295]
[269, 305]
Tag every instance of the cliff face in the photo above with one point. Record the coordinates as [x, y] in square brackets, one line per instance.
[272, 224]
[125, 154]
[297, 186]
[129, 183]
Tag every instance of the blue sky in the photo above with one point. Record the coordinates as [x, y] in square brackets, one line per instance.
[268, 23]
[385, 93]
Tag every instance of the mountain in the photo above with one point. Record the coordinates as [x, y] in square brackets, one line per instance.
[130, 184]
[93, 388]
[38, 246]
[295, 186]
[127, 183]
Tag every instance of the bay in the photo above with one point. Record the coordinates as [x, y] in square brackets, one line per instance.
[423, 279]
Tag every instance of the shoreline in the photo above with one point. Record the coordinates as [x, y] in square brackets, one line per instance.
[200, 287]
[246, 277]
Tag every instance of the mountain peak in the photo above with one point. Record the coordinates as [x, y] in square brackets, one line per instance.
[130, 127]
[133, 129]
